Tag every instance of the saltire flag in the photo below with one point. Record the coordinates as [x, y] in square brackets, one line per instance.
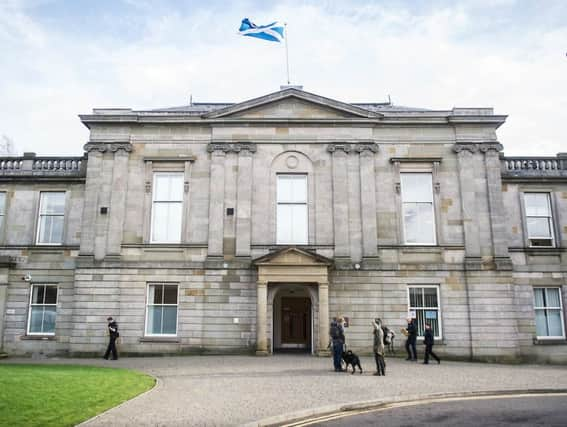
[273, 32]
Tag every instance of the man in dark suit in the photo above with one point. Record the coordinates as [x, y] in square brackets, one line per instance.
[429, 340]
[410, 341]
[113, 336]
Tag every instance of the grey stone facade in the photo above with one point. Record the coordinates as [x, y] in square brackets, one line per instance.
[230, 156]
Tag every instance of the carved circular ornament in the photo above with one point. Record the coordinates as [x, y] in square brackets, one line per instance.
[292, 162]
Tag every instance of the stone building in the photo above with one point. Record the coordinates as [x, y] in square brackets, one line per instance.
[245, 227]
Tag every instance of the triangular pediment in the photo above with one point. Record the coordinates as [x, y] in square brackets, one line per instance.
[292, 104]
[292, 256]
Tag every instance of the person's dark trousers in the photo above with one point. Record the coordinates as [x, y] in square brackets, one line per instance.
[429, 351]
[111, 348]
[337, 354]
[410, 349]
[380, 364]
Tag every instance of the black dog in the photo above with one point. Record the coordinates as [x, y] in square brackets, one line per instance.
[351, 359]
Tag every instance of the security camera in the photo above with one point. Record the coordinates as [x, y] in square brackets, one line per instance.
[27, 277]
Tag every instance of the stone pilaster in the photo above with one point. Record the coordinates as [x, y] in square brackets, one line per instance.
[216, 204]
[496, 206]
[262, 319]
[465, 153]
[322, 345]
[340, 204]
[368, 208]
[244, 204]
[117, 202]
[92, 187]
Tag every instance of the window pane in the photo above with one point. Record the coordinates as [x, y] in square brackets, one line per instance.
[49, 315]
[176, 187]
[537, 204]
[426, 223]
[553, 297]
[154, 319]
[538, 227]
[554, 321]
[430, 296]
[411, 226]
[161, 186]
[416, 297]
[36, 319]
[169, 320]
[51, 229]
[539, 297]
[416, 187]
[299, 224]
[292, 188]
[38, 294]
[156, 291]
[284, 224]
[51, 295]
[166, 226]
[2, 203]
[541, 323]
[52, 203]
[170, 294]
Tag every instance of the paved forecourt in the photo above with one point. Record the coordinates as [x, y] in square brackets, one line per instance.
[236, 390]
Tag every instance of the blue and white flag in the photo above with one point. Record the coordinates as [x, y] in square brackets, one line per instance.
[273, 32]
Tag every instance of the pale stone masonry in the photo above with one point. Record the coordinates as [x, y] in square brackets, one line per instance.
[235, 285]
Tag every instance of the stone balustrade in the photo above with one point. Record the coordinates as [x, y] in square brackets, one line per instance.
[534, 167]
[30, 166]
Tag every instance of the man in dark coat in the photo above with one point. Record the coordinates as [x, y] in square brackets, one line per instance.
[429, 340]
[410, 341]
[113, 336]
[338, 343]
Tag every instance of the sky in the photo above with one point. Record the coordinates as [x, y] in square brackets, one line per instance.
[61, 58]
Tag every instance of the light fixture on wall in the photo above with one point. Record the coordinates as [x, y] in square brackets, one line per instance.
[357, 266]
[27, 277]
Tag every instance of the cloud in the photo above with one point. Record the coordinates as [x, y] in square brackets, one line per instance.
[436, 57]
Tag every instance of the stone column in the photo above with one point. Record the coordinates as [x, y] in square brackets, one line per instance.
[262, 319]
[368, 204]
[3, 300]
[496, 206]
[117, 198]
[465, 153]
[244, 204]
[340, 204]
[216, 203]
[322, 349]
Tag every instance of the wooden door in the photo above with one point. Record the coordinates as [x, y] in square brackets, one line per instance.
[296, 322]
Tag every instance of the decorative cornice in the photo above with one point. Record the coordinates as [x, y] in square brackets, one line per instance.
[350, 148]
[227, 147]
[104, 147]
[474, 148]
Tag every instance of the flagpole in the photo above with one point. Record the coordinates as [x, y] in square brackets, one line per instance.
[286, 52]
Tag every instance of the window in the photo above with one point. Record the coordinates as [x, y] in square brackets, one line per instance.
[51, 218]
[162, 310]
[2, 211]
[167, 207]
[424, 300]
[548, 313]
[417, 208]
[43, 308]
[292, 209]
[539, 219]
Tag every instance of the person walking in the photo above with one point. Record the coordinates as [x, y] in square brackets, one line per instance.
[378, 347]
[411, 339]
[113, 336]
[429, 341]
[338, 342]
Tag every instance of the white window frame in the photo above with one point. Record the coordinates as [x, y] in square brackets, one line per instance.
[432, 203]
[31, 304]
[40, 215]
[550, 220]
[438, 308]
[302, 203]
[560, 309]
[154, 202]
[148, 305]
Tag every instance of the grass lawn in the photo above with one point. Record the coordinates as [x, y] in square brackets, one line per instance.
[62, 395]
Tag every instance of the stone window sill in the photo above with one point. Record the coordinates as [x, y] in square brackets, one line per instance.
[551, 341]
[38, 337]
[160, 339]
